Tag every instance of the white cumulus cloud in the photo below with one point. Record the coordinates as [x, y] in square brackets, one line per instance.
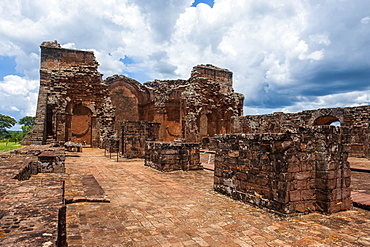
[284, 54]
[16, 85]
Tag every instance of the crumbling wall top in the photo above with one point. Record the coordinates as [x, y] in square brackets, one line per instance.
[53, 56]
[212, 72]
[51, 44]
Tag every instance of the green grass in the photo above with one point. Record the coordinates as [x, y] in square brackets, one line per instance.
[9, 146]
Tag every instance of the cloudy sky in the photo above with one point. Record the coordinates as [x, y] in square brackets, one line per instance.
[286, 55]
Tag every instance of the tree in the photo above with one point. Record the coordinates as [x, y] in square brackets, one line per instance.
[6, 122]
[27, 123]
[17, 136]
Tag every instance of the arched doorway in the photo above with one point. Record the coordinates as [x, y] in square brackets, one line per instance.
[81, 125]
[327, 120]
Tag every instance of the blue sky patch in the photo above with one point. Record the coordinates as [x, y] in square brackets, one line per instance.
[127, 60]
[209, 2]
[7, 67]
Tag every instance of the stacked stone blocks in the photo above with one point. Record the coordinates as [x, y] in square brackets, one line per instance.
[292, 172]
[355, 118]
[135, 134]
[172, 156]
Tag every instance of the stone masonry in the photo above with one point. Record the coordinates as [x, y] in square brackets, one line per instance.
[74, 103]
[172, 156]
[135, 134]
[202, 106]
[357, 120]
[292, 172]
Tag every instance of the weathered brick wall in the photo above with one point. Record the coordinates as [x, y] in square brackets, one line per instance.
[51, 161]
[354, 118]
[111, 144]
[76, 105]
[73, 103]
[172, 156]
[287, 172]
[210, 105]
[201, 106]
[127, 96]
[135, 134]
[215, 74]
[359, 142]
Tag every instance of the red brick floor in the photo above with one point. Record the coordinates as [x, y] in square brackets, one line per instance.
[151, 208]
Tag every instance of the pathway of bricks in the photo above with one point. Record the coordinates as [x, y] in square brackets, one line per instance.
[151, 208]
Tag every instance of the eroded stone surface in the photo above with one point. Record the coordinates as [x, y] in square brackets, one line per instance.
[74, 103]
[31, 201]
[298, 172]
[172, 156]
[135, 134]
[33, 193]
[356, 119]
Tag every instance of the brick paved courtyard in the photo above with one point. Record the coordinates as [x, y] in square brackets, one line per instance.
[151, 208]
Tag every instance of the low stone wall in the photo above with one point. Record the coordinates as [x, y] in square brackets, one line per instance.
[134, 136]
[288, 172]
[356, 119]
[172, 156]
[359, 141]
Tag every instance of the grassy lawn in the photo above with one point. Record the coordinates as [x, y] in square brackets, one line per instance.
[10, 146]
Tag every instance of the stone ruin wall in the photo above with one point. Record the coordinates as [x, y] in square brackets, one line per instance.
[73, 103]
[134, 136]
[213, 73]
[76, 105]
[357, 120]
[127, 96]
[164, 106]
[210, 105]
[291, 172]
[172, 156]
[191, 109]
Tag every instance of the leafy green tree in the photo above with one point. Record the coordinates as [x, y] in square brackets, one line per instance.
[27, 123]
[17, 136]
[4, 134]
[6, 122]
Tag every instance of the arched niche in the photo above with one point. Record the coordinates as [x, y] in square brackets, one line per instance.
[80, 124]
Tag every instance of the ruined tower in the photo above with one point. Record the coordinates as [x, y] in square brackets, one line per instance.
[73, 103]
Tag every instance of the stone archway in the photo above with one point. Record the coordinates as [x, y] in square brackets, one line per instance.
[325, 120]
[81, 124]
